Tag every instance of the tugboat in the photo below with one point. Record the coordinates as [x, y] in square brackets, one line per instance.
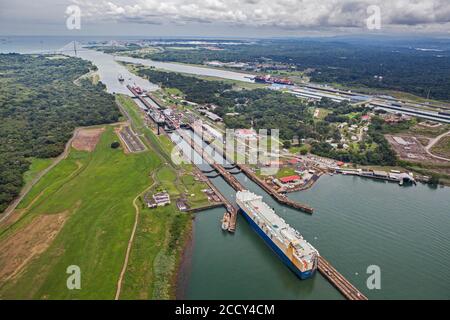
[225, 221]
[121, 79]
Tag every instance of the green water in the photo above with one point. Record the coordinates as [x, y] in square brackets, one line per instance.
[357, 222]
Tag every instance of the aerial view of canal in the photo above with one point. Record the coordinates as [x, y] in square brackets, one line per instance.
[357, 222]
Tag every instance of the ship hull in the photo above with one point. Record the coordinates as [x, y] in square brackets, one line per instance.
[303, 275]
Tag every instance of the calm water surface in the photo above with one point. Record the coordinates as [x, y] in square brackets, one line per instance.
[357, 222]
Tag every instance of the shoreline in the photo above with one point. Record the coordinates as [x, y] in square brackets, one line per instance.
[184, 265]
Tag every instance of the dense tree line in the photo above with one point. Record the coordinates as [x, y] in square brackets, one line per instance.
[195, 89]
[293, 117]
[40, 105]
[382, 154]
[403, 66]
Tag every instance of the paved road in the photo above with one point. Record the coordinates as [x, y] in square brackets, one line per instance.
[433, 142]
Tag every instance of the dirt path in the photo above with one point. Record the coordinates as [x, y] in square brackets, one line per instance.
[8, 211]
[130, 242]
[433, 142]
[30, 185]
[17, 250]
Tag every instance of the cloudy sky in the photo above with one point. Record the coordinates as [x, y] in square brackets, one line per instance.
[224, 17]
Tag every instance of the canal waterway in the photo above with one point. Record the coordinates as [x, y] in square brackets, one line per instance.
[357, 223]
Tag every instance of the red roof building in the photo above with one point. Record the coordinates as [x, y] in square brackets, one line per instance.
[290, 179]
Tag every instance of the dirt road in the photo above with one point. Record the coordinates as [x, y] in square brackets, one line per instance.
[433, 142]
[131, 240]
[30, 185]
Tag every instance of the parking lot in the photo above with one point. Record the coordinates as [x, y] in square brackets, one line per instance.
[132, 142]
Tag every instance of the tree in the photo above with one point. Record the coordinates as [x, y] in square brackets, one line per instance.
[434, 180]
[115, 145]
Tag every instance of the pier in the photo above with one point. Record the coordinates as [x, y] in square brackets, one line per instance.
[207, 207]
[277, 196]
[235, 184]
[230, 209]
[338, 281]
[224, 202]
[324, 267]
[249, 173]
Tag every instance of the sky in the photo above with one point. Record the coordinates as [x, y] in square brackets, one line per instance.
[227, 18]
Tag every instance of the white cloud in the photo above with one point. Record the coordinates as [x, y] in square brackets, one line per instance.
[272, 13]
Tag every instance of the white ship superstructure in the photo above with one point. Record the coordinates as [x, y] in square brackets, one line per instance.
[298, 254]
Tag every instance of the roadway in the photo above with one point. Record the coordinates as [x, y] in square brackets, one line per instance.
[433, 142]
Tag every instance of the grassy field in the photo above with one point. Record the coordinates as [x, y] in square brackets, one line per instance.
[161, 232]
[442, 148]
[282, 172]
[151, 140]
[165, 146]
[95, 190]
[36, 166]
[92, 194]
[298, 149]
[429, 132]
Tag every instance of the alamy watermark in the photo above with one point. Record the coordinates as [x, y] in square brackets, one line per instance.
[73, 21]
[374, 280]
[73, 282]
[238, 146]
[373, 22]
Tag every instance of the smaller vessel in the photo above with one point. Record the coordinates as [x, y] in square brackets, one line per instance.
[225, 221]
[120, 78]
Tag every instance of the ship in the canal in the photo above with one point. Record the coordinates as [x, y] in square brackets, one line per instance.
[299, 255]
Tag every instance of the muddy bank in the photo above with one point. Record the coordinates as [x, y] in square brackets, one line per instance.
[185, 263]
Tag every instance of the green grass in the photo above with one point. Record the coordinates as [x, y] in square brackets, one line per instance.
[151, 140]
[154, 257]
[429, 131]
[99, 198]
[297, 150]
[96, 190]
[282, 172]
[442, 148]
[162, 231]
[237, 85]
[174, 91]
[37, 165]
[285, 172]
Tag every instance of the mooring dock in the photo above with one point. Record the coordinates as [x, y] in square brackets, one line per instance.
[325, 268]
[348, 290]
[230, 208]
[224, 173]
[279, 197]
[249, 173]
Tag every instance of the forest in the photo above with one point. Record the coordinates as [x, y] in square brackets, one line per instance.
[269, 109]
[40, 106]
[402, 64]
[195, 89]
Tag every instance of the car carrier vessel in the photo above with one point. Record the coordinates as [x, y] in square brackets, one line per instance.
[299, 255]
